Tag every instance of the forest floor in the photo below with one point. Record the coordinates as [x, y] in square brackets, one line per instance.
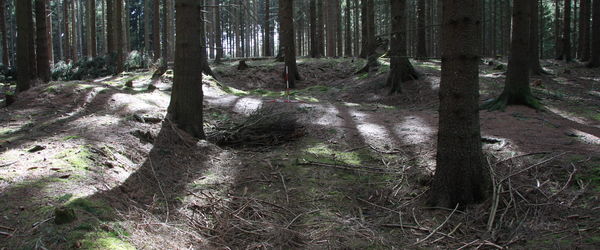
[354, 175]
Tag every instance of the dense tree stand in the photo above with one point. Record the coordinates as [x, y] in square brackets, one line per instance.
[185, 108]
[401, 70]
[516, 89]
[461, 177]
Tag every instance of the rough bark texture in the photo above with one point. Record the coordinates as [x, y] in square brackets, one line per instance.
[584, 31]
[119, 36]
[49, 33]
[203, 53]
[421, 43]
[331, 28]
[286, 16]
[557, 31]
[5, 59]
[461, 177]
[401, 69]
[566, 36]
[25, 56]
[165, 33]
[156, 29]
[516, 89]
[320, 30]
[185, 108]
[91, 34]
[43, 57]
[364, 30]
[67, 42]
[147, 26]
[534, 64]
[348, 31]
[595, 56]
[110, 29]
[74, 35]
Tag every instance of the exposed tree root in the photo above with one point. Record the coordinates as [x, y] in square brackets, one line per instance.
[503, 100]
[401, 71]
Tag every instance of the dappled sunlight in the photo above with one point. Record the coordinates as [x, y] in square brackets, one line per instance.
[145, 102]
[247, 105]
[414, 130]
[585, 137]
[328, 115]
[567, 115]
[374, 134]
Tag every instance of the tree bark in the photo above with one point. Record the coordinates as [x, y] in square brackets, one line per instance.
[516, 89]
[534, 64]
[5, 53]
[595, 56]
[557, 35]
[147, 26]
[401, 69]
[74, 37]
[185, 108]
[110, 29]
[421, 43]
[43, 58]
[313, 29]
[91, 11]
[165, 33]
[286, 19]
[461, 177]
[331, 28]
[218, 33]
[119, 36]
[566, 36]
[320, 31]
[49, 33]
[156, 29]
[67, 31]
[348, 31]
[584, 31]
[25, 56]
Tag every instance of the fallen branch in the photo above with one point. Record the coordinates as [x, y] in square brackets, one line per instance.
[7, 164]
[346, 167]
[437, 228]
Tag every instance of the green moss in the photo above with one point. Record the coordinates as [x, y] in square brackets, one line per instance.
[101, 240]
[78, 158]
[96, 208]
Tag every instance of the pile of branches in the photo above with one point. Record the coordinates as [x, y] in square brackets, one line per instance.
[264, 127]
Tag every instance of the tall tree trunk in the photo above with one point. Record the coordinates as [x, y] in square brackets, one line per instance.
[5, 53]
[348, 31]
[320, 30]
[401, 69]
[331, 28]
[66, 20]
[110, 29]
[119, 35]
[286, 19]
[49, 33]
[74, 41]
[557, 34]
[313, 29]
[516, 89]
[364, 29]
[595, 55]
[185, 108]
[534, 64]
[421, 43]
[584, 31]
[461, 177]
[91, 11]
[218, 32]
[156, 29]
[165, 33]
[147, 26]
[25, 56]
[566, 38]
[267, 29]
[43, 59]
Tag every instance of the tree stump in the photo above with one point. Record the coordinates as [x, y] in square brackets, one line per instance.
[242, 65]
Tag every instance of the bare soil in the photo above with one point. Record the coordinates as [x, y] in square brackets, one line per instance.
[355, 175]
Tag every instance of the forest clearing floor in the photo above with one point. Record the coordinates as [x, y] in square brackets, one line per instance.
[353, 175]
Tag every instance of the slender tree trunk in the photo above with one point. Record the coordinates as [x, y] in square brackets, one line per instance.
[313, 29]
[534, 64]
[49, 33]
[595, 56]
[165, 33]
[218, 33]
[461, 177]
[286, 19]
[584, 31]
[5, 52]
[557, 35]
[156, 29]
[110, 29]
[421, 43]
[185, 108]
[348, 38]
[74, 41]
[364, 29]
[91, 11]
[147, 26]
[43, 60]
[67, 43]
[119, 35]
[267, 30]
[516, 89]
[25, 56]
[401, 69]
[566, 38]
[331, 28]
[320, 30]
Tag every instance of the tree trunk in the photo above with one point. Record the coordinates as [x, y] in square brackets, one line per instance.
[203, 53]
[25, 56]
[156, 29]
[218, 33]
[313, 29]
[91, 11]
[461, 177]
[557, 36]
[516, 89]
[5, 53]
[364, 29]
[320, 31]
[119, 35]
[595, 56]
[421, 49]
[401, 69]
[534, 64]
[331, 28]
[165, 33]
[74, 41]
[67, 43]
[566, 38]
[286, 16]
[147, 26]
[185, 108]
[49, 33]
[110, 29]
[584, 31]
[348, 38]
[43, 59]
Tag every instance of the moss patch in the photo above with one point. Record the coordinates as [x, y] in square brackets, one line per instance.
[79, 158]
